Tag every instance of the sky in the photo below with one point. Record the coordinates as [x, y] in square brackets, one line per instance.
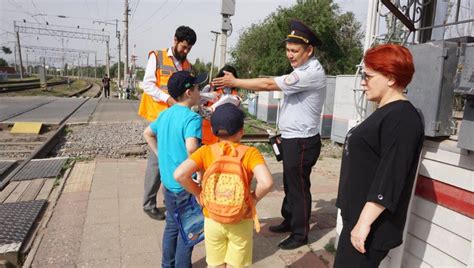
[152, 22]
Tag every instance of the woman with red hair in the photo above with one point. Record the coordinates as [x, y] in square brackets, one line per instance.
[379, 162]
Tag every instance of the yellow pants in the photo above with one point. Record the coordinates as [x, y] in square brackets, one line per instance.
[228, 243]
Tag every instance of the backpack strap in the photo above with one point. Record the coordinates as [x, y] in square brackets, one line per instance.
[241, 150]
[256, 222]
[218, 149]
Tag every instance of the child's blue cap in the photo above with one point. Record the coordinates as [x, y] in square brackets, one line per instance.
[181, 81]
[227, 120]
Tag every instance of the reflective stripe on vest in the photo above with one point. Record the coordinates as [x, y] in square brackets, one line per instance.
[149, 108]
[165, 68]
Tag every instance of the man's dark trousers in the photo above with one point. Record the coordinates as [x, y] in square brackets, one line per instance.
[299, 157]
[106, 92]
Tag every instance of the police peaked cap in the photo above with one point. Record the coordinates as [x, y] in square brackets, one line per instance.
[302, 34]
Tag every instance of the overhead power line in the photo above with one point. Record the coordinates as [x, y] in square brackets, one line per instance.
[152, 15]
[164, 17]
[134, 10]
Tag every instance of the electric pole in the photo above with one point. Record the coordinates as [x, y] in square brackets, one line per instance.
[16, 63]
[223, 48]
[19, 54]
[117, 34]
[107, 56]
[125, 36]
[95, 67]
[59, 31]
[214, 53]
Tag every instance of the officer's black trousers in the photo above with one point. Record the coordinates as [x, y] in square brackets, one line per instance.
[299, 157]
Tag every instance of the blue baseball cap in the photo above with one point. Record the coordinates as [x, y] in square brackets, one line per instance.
[181, 81]
[227, 117]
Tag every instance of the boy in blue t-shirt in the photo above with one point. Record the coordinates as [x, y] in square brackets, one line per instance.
[176, 133]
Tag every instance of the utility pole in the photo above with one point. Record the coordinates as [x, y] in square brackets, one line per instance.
[19, 54]
[107, 60]
[95, 63]
[63, 31]
[117, 34]
[27, 66]
[87, 74]
[223, 48]
[214, 53]
[16, 63]
[125, 37]
[64, 61]
[79, 61]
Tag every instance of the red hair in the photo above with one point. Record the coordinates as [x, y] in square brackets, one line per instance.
[392, 61]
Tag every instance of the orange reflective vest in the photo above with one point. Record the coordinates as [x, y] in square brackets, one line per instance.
[149, 108]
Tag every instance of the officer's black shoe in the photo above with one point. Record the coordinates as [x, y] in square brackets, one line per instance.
[291, 243]
[280, 228]
[155, 213]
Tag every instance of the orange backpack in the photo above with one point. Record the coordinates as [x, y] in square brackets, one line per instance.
[225, 192]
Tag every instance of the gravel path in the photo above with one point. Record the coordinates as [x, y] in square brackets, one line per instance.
[125, 140]
[111, 140]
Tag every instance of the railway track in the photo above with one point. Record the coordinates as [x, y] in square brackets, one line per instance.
[253, 138]
[19, 82]
[93, 90]
[25, 86]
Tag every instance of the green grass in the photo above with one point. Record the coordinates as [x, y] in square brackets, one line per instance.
[83, 158]
[329, 247]
[67, 130]
[264, 148]
[252, 120]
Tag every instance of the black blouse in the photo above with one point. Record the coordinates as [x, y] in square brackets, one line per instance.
[379, 165]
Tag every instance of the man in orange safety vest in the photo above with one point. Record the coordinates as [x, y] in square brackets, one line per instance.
[155, 99]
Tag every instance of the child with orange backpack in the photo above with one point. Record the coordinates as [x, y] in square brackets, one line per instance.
[225, 194]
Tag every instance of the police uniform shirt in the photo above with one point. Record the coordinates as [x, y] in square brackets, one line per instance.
[304, 93]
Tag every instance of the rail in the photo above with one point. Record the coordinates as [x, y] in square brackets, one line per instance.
[28, 86]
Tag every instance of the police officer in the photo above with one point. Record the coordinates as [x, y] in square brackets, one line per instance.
[304, 93]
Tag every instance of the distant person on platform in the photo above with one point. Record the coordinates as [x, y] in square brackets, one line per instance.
[106, 85]
[155, 99]
[304, 93]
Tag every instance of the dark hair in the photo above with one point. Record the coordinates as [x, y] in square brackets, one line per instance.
[227, 68]
[184, 33]
[393, 61]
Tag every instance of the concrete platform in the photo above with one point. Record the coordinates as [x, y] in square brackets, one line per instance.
[13, 106]
[99, 222]
[115, 110]
[54, 110]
